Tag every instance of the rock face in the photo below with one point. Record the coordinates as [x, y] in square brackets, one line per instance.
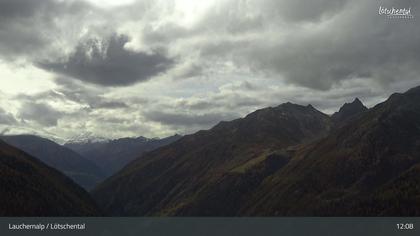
[113, 155]
[192, 175]
[30, 188]
[75, 166]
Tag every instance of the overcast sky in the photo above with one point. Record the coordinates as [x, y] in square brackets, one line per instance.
[159, 67]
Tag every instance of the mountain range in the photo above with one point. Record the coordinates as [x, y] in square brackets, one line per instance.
[289, 160]
[81, 170]
[368, 167]
[112, 155]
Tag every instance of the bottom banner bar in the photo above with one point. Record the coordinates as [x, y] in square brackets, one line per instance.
[209, 226]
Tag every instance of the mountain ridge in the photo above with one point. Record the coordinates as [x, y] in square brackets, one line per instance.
[30, 188]
[77, 167]
[358, 161]
[114, 154]
[204, 157]
[280, 161]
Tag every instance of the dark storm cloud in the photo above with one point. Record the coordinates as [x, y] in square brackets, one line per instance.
[41, 113]
[26, 9]
[317, 44]
[28, 26]
[319, 61]
[358, 44]
[109, 63]
[6, 118]
[236, 17]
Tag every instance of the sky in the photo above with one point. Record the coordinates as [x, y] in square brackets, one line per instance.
[153, 68]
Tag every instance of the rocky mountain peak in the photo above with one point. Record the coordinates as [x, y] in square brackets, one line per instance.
[348, 111]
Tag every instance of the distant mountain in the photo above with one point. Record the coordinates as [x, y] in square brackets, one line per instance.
[348, 111]
[174, 179]
[30, 188]
[78, 168]
[289, 160]
[13, 130]
[86, 138]
[112, 155]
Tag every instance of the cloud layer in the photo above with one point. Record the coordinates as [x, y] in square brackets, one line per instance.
[154, 68]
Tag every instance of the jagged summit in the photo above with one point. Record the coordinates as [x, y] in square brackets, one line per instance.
[355, 106]
[357, 100]
[348, 111]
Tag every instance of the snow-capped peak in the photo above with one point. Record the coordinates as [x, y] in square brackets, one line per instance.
[87, 137]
